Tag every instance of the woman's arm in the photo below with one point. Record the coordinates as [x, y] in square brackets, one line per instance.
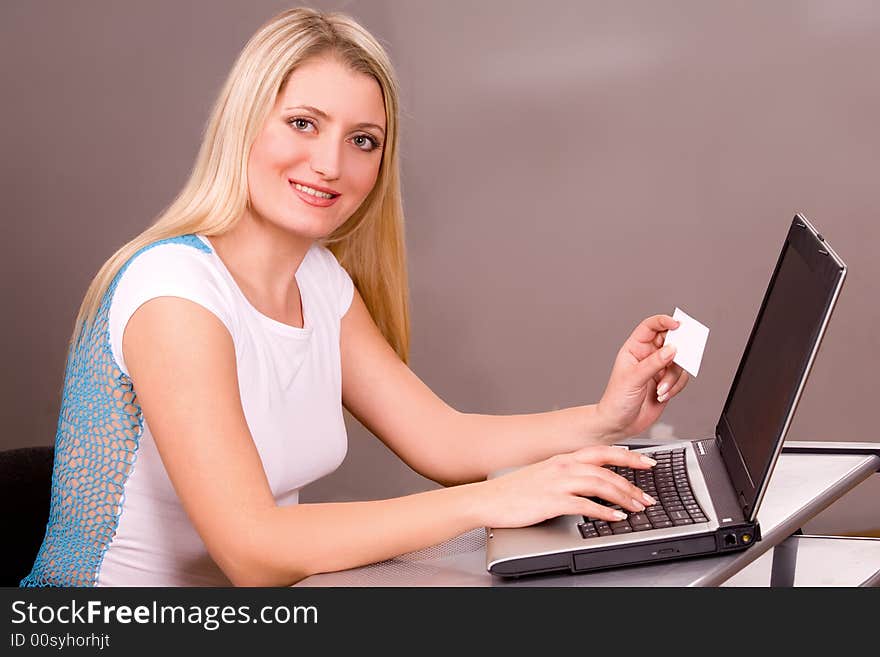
[450, 447]
[182, 363]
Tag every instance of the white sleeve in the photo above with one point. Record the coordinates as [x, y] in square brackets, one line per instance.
[339, 281]
[166, 270]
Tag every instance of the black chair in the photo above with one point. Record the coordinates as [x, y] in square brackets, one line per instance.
[25, 491]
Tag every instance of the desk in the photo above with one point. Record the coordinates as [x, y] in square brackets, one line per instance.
[815, 561]
[808, 477]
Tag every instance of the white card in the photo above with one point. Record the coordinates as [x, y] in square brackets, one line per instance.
[689, 340]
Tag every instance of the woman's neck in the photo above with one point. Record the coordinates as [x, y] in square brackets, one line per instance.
[263, 260]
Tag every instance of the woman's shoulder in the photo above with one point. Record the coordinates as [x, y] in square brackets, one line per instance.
[321, 261]
[181, 251]
[330, 277]
[187, 260]
[319, 255]
[183, 266]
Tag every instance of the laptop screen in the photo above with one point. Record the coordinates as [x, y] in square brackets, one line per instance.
[779, 353]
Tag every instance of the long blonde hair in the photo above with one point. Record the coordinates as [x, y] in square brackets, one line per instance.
[369, 245]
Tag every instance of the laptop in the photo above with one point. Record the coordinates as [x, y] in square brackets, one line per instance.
[709, 490]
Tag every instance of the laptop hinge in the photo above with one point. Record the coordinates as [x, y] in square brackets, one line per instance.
[740, 496]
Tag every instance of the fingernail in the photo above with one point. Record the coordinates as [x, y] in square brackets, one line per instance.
[639, 506]
[663, 388]
[648, 460]
[620, 515]
[667, 352]
[662, 398]
[650, 500]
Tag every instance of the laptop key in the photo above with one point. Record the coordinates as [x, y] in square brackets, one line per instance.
[587, 530]
[682, 521]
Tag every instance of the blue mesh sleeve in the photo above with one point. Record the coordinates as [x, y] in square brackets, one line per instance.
[96, 445]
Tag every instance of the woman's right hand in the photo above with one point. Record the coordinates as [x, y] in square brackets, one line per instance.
[561, 484]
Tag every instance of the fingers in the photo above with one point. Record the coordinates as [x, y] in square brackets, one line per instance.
[670, 378]
[648, 329]
[596, 481]
[659, 376]
[660, 339]
[590, 509]
[639, 498]
[578, 484]
[648, 368]
[673, 383]
[602, 490]
[649, 336]
[611, 455]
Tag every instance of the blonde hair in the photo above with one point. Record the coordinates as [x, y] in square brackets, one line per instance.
[369, 245]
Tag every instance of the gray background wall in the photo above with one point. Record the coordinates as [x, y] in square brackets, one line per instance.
[569, 168]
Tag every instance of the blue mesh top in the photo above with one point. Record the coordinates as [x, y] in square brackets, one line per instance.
[110, 492]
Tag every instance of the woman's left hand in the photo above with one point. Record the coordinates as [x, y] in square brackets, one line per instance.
[642, 381]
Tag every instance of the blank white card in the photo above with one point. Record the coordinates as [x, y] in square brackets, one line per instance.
[689, 340]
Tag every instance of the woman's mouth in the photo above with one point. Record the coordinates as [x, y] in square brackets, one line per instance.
[313, 196]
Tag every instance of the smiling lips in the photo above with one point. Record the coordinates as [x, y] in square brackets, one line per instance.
[317, 196]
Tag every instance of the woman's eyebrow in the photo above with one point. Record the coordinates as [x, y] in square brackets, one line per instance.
[324, 115]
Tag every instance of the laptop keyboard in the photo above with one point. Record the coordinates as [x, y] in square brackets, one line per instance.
[667, 482]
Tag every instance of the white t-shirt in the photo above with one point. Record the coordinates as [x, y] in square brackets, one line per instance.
[290, 380]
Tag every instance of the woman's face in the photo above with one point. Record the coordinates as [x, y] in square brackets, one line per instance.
[317, 156]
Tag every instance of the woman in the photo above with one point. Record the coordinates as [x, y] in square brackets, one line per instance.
[213, 353]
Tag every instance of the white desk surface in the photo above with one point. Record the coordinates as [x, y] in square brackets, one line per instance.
[821, 561]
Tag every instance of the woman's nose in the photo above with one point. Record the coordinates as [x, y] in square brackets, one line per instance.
[326, 158]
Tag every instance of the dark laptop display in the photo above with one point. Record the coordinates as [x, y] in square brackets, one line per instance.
[714, 485]
[777, 357]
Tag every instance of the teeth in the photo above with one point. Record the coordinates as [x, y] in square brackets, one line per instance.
[313, 192]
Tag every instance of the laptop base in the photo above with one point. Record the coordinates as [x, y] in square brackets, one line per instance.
[724, 539]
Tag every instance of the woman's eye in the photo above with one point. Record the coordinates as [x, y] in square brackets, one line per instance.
[301, 124]
[365, 143]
